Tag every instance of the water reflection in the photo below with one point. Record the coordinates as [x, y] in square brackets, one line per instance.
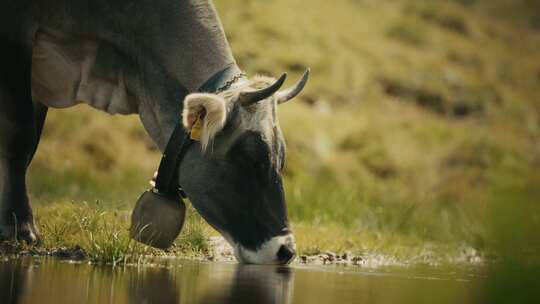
[153, 286]
[12, 281]
[51, 281]
[255, 284]
[46, 281]
[212, 284]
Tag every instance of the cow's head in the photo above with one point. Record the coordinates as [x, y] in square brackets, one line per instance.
[233, 175]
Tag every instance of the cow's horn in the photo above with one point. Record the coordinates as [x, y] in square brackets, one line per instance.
[250, 97]
[290, 93]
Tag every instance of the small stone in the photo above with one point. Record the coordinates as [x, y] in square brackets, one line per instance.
[311, 259]
[76, 253]
[303, 259]
[356, 260]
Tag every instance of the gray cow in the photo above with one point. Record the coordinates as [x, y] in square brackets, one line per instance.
[146, 57]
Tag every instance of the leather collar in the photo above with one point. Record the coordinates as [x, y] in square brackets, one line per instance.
[180, 140]
[222, 80]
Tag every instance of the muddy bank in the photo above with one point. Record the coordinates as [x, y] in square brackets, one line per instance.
[220, 250]
[10, 249]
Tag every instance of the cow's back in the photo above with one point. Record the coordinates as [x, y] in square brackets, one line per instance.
[82, 54]
[68, 70]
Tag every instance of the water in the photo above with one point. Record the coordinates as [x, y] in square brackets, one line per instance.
[45, 280]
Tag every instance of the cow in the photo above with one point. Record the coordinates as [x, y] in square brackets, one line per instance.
[157, 59]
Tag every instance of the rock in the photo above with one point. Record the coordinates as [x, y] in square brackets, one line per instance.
[331, 256]
[221, 250]
[320, 259]
[357, 260]
[75, 253]
[311, 259]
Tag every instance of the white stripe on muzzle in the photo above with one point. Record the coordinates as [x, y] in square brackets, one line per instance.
[267, 253]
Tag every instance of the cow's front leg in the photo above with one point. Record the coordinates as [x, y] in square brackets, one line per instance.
[19, 133]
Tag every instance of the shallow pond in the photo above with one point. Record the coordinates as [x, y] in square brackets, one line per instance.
[47, 280]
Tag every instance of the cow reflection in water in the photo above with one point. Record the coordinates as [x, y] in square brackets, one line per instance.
[153, 286]
[52, 281]
[255, 284]
[249, 284]
[13, 278]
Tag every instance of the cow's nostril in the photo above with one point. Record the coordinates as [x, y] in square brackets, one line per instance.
[285, 254]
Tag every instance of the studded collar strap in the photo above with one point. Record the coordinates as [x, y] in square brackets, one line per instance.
[222, 80]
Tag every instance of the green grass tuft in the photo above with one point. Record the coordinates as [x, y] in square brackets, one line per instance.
[102, 233]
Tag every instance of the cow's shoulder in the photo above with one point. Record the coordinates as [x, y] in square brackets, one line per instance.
[68, 69]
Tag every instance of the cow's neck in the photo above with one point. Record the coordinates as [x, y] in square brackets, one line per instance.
[191, 47]
[194, 47]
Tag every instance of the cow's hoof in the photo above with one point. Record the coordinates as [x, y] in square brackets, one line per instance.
[23, 232]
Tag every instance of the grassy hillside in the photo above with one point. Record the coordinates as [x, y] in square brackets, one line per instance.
[417, 136]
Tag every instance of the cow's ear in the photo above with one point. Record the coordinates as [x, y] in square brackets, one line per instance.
[204, 111]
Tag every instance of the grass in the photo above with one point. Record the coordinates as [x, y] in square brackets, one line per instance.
[409, 32]
[418, 116]
[102, 234]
